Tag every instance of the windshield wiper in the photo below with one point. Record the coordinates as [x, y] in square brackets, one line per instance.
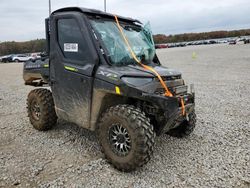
[124, 63]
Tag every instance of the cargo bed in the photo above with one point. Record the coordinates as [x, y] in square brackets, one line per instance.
[36, 73]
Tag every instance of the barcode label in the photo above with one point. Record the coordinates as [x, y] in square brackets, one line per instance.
[70, 47]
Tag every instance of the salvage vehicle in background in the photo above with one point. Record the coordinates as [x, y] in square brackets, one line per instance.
[35, 56]
[232, 42]
[160, 46]
[7, 58]
[97, 84]
[21, 58]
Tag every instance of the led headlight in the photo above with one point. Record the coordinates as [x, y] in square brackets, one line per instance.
[137, 81]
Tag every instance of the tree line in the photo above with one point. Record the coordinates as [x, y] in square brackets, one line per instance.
[161, 38]
[39, 45]
[13, 47]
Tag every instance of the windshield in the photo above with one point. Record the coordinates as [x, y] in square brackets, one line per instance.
[140, 40]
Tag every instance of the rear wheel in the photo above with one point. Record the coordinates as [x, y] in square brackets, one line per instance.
[126, 137]
[17, 61]
[41, 110]
[185, 128]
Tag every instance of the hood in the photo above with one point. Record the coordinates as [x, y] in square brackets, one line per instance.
[163, 71]
[133, 71]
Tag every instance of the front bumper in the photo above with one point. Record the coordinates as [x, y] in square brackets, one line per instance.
[165, 112]
[177, 117]
[169, 115]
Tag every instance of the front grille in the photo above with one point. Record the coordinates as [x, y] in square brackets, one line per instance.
[168, 78]
[160, 91]
[178, 90]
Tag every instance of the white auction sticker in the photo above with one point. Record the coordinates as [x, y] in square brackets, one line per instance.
[70, 47]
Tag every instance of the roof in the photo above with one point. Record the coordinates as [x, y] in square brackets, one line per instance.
[95, 12]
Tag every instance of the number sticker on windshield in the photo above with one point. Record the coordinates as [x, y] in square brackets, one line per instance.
[70, 47]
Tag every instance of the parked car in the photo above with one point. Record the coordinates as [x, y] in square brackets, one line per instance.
[205, 42]
[222, 41]
[171, 45]
[198, 42]
[35, 56]
[232, 42]
[21, 58]
[182, 44]
[7, 58]
[159, 46]
[212, 42]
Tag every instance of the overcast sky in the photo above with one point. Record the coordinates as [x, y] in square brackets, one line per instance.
[22, 20]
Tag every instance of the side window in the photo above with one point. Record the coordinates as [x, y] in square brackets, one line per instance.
[71, 40]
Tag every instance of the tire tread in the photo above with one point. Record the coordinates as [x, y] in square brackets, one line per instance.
[48, 116]
[141, 126]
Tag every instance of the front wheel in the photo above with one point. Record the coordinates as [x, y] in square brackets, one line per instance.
[185, 128]
[126, 137]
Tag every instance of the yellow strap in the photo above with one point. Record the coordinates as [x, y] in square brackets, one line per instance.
[167, 92]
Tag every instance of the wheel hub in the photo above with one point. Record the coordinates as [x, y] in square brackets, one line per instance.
[36, 111]
[119, 140]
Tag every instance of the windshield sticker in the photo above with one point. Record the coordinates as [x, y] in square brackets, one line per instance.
[70, 47]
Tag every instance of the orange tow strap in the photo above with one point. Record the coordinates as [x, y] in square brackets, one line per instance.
[167, 92]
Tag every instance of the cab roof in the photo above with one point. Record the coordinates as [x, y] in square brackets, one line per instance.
[95, 12]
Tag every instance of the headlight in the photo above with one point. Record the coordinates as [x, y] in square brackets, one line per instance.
[136, 81]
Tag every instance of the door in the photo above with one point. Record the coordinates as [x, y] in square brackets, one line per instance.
[72, 61]
[23, 58]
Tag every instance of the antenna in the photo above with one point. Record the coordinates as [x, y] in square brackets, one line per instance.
[49, 7]
[105, 6]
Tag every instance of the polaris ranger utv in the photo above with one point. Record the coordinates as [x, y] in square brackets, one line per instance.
[105, 76]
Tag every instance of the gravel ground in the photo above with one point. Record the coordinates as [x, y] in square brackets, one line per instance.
[215, 155]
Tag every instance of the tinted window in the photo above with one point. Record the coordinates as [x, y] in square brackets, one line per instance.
[70, 39]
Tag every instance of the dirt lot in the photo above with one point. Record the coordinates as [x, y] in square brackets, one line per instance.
[217, 154]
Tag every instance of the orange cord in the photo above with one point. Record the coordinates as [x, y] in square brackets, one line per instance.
[167, 92]
[183, 106]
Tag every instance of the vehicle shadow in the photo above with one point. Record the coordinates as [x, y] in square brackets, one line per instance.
[74, 129]
[73, 137]
[168, 152]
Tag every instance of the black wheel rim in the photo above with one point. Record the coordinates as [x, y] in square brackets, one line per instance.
[119, 139]
[35, 110]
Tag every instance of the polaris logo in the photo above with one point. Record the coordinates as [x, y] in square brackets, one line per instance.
[107, 74]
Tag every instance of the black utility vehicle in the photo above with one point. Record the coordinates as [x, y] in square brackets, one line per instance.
[96, 84]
